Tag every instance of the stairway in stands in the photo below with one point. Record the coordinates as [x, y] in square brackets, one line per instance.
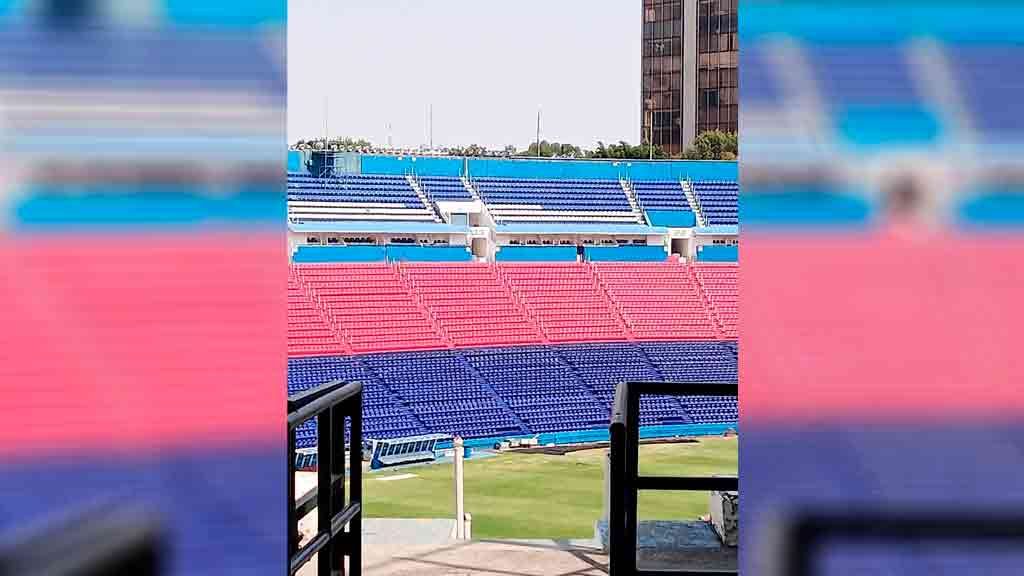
[566, 300]
[719, 285]
[691, 199]
[415, 185]
[658, 300]
[371, 306]
[471, 304]
[627, 188]
[310, 332]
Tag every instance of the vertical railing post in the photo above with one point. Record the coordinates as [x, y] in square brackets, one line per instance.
[337, 486]
[293, 522]
[355, 527]
[631, 453]
[325, 493]
[616, 513]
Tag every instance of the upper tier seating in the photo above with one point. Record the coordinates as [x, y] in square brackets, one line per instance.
[660, 195]
[719, 201]
[762, 84]
[873, 94]
[370, 306]
[658, 301]
[987, 88]
[411, 306]
[501, 391]
[720, 285]
[354, 197]
[444, 188]
[471, 304]
[566, 301]
[545, 201]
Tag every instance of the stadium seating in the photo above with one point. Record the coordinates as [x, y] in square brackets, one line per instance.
[566, 300]
[720, 285]
[719, 201]
[371, 306]
[484, 350]
[540, 387]
[309, 333]
[384, 415]
[873, 94]
[658, 301]
[980, 71]
[471, 304]
[416, 306]
[444, 393]
[489, 392]
[443, 188]
[565, 200]
[355, 197]
[660, 195]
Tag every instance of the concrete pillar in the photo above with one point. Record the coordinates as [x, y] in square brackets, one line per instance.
[690, 88]
[460, 509]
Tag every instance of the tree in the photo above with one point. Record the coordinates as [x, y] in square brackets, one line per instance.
[625, 151]
[714, 145]
[552, 149]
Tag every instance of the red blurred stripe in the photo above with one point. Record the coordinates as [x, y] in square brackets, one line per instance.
[881, 326]
[128, 342]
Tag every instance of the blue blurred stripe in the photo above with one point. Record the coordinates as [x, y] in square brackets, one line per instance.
[804, 207]
[48, 210]
[872, 22]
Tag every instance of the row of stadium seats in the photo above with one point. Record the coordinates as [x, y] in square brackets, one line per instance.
[874, 91]
[718, 201]
[363, 308]
[522, 390]
[510, 200]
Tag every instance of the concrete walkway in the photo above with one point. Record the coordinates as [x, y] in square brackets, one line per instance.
[486, 558]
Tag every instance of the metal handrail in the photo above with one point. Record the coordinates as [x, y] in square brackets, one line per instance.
[626, 481]
[330, 404]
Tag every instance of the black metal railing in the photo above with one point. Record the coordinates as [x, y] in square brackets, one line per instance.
[806, 538]
[330, 404]
[626, 481]
[108, 539]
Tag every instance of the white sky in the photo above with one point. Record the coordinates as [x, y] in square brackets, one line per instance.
[485, 65]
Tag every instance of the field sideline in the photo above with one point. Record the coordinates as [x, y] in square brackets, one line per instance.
[542, 496]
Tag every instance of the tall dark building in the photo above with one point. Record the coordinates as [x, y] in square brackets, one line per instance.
[690, 58]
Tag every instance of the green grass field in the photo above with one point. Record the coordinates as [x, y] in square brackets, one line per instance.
[541, 496]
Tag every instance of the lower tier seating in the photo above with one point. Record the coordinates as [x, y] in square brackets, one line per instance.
[486, 392]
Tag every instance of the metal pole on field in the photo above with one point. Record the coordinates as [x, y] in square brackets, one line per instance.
[460, 509]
